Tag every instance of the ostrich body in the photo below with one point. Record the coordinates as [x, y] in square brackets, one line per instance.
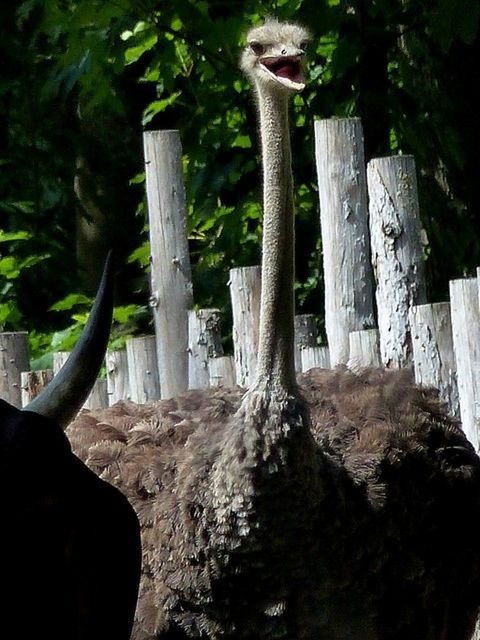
[342, 510]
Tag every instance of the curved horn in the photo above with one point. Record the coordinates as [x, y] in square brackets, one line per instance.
[66, 393]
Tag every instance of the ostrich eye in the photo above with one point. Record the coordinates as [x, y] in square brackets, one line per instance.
[304, 45]
[257, 48]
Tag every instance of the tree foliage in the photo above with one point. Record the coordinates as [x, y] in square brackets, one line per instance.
[81, 79]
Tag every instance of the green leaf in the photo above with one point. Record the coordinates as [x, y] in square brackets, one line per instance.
[14, 235]
[71, 301]
[125, 313]
[9, 313]
[132, 54]
[31, 261]
[24, 206]
[9, 267]
[138, 179]
[66, 339]
[141, 254]
[158, 106]
[242, 141]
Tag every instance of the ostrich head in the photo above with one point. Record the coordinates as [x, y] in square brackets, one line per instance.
[274, 55]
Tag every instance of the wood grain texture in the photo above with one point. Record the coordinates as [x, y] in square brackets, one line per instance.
[344, 225]
[397, 255]
[171, 281]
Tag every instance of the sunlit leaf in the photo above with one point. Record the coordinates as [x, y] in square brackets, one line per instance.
[71, 301]
[158, 106]
[6, 236]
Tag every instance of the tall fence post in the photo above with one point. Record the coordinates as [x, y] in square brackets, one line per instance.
[433, 355]
[33, 383]
[98, 397]
[204, 343]
[306, 333]
[222, 371]
[143, 369]
[344, 225]
[315, 358]
[466, 342]
[245, 290]
[171, 280]
[397, 259]
[118, 387]
[364, 349]
[59, 359]
[14, 359]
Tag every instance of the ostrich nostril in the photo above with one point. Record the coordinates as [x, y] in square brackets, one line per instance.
[284, 52]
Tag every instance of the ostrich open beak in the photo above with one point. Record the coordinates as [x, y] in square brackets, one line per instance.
[288, 70]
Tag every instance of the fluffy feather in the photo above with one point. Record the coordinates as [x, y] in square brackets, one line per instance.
[387, 549]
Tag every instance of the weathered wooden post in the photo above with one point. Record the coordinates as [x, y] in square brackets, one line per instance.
[344, 225]
[204, 343]
[222, 371]
[171, 280]
[397, 257]
[14, 359]
[433, 355]
[364, 349]
[59, 359]
[143, 369]
[466, 343]
[245, 290]
[118, 387]
[98, 397]
[33, 382]
[315, 357]
[306, 333]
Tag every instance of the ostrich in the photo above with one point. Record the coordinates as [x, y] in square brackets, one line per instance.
[69, 542]
[343, 509]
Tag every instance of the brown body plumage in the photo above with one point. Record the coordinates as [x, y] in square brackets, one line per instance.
[392, 549]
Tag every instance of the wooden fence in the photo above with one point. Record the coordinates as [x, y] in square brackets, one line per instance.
[376, 310]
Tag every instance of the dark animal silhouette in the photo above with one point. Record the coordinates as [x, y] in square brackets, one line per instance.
[69, 542]
[345, 509]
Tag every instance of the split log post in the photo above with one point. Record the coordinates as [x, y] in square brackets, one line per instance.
[98, 397]
[364, 349]
[143, 369]
[171, 280]
[315, 358]
[397, 256]
[478, 281]
[117, 376]
[204, 343]
[34, 382]
[344, 226]
[466, 343]
[433, 354]
[14, 359]
[59, 359]
[306, 333]
[245, 290]
[222, 371]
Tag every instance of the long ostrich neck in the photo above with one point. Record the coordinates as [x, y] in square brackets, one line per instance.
[275, 366]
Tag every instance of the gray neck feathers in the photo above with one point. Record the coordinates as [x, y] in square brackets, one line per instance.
[275, 367]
